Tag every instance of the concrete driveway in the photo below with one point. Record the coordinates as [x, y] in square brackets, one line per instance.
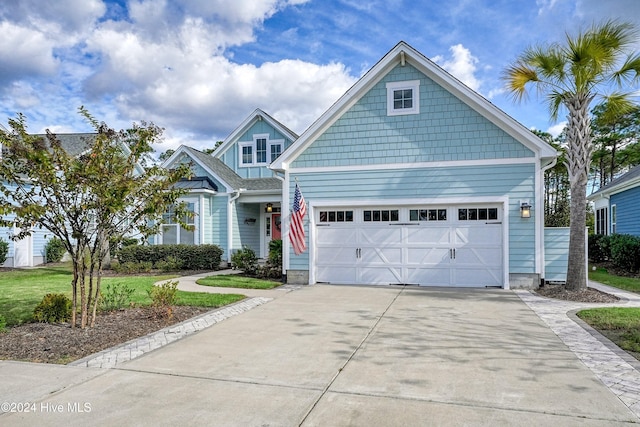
[337, 356]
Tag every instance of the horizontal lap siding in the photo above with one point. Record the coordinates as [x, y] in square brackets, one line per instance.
[246, 234]
[556, 253]
[627, 208]
[514, 181]
[219, 223]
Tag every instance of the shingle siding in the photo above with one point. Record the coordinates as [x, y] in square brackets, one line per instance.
[231, 157]
[445, 130]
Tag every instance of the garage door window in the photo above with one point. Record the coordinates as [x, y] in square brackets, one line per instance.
[336, 216]
[381, 215]
[428, 215]
[477, 214]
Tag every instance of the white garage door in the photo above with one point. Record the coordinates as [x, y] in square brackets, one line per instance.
[429, 246]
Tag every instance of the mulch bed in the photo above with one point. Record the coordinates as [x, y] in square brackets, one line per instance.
[587, 295]
[59, 343]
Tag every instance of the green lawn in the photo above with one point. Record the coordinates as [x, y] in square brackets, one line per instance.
[237, 281]
[627, 283]
[620, 324]
[22, 290]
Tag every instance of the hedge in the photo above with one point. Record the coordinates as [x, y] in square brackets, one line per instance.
[193, 257]
[623, 250]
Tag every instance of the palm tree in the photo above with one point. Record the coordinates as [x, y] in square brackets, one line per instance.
[571, 76]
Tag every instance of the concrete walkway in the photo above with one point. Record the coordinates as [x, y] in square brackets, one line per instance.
[346, 355]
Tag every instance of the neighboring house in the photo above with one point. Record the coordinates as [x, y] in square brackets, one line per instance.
[30, 251]
[617, 204]
[235, 197]
[413, 178]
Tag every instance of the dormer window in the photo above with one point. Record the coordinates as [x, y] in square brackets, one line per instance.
[261, 151]
[403, 98]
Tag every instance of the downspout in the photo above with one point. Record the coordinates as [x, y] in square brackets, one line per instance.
[232, 201]
[539, 214]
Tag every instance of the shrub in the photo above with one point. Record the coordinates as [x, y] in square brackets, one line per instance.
[115, 297]
[116, 245]
[246, 260]
[273, 267]
[53, 308]
[192, 257]
[170, 264]
[130, 267]
[163, 297]
[54, 250]
[4, 250]
[625, 252]
[599, 249]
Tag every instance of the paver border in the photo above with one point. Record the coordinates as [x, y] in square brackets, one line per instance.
[601, 356]
[136, 347]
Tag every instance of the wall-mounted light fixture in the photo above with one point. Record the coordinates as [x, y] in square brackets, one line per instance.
[269, 208]
[249, 220]
[525, 209]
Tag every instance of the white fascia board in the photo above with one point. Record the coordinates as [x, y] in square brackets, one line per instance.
[183, 150]
[418, 165]
[346, 101]
[624, 186]
[257, 114]
[441, 77]
[172, 158]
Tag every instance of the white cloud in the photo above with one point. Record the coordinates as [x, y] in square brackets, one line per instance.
[179, 77]
[23, 51]
[462, 65]
[557, 129]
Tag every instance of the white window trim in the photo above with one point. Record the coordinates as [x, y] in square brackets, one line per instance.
[273, 143]
[256, 137]
[254, 149]
[241, 145]
[414, 85]
[614, 218]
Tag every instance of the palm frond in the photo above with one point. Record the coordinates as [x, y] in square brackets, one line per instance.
[517, 77]
[629, 71]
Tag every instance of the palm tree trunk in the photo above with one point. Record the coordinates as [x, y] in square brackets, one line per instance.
[578, 158]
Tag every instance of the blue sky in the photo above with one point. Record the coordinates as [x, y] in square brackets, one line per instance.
[198, 67]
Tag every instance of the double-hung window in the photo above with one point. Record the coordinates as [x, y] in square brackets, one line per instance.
[261, 151]
[173, 233]
[403, 98]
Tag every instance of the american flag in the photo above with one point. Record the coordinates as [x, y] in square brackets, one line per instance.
[296, 234]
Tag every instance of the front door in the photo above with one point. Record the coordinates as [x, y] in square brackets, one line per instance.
[276, 227]
[273, 230]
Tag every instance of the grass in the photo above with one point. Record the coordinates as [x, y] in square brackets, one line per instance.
[620, 324]
[22, 290]
[627, 283]
[237, 281]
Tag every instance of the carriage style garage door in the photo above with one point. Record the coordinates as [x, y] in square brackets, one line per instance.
[429, 246]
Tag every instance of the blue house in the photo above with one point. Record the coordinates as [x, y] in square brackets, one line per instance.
[235, 197]
[413, 178]
[30, 250]
[617, 205]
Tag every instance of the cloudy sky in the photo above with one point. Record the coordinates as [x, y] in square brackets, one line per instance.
[198, 67]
